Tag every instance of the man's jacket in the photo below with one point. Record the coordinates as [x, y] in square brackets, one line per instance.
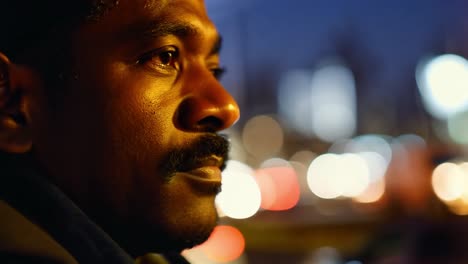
[40, 224]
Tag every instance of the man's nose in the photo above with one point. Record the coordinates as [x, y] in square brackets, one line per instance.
[208, 109]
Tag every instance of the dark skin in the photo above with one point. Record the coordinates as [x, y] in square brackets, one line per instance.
[144, 90]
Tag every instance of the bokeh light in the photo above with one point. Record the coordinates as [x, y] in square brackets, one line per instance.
[464, 168]
[333, 101]
[331, 175]
[323, 255]
[225, 244]
[236, 150]
[458, 126]
[443, 82]
[238, 178]
[262, 136]
[300, 161]
[370, 143]
[294, 100]
[373, 193]
[323, 176]
[448, 181]
[304, 157]
[376, 164]
[355, 175]
[320, 102]
[278, 184]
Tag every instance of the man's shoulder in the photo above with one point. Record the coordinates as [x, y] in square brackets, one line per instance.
[22, 241]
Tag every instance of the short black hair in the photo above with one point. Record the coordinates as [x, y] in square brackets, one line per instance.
[38, 33]
[25, 23]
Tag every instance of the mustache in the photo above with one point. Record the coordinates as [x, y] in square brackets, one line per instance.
[190, 156]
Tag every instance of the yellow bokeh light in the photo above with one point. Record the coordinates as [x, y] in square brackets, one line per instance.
[372, 193]
[262, 136]
[448, 181]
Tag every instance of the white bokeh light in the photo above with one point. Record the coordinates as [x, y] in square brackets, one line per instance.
[320, 102]
[457, 125]
[323, 176]
[293, 100]
[355, 175]
[240, 197]
[443, 84]
[331, 175]
[333, 101]
[376, 164]
[370, 143]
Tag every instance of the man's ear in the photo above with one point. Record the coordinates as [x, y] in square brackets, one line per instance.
[14, 128]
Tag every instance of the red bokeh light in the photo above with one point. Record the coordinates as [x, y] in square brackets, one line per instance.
[279, 187]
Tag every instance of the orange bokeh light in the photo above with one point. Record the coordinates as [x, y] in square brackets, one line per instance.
[226, 243]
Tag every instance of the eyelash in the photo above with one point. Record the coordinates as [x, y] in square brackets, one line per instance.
[156, 54]
[217, 72]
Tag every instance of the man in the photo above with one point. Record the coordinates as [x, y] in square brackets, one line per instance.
[109, 113]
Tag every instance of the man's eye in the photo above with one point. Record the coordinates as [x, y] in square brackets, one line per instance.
[164, 58]
[218, 72]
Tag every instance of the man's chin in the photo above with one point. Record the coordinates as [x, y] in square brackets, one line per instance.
[175, 238]
[190, 238]
[192, 242]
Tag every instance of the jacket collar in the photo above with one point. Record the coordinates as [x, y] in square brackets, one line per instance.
[48, 207]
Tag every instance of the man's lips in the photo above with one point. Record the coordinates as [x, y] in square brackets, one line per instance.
[205, 170]
[208, 174]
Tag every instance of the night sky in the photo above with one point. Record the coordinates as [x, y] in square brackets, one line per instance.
[386, 39]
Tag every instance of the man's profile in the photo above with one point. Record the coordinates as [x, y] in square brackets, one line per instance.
[109, 113]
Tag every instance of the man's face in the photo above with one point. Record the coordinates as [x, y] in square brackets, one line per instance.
[132, 141]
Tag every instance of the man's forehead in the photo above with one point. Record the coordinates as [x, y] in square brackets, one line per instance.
[100, 7]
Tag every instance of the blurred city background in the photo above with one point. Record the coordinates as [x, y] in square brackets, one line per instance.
[353, 139]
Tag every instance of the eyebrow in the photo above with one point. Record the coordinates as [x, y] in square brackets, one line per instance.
[217, 46]
[161, 28]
